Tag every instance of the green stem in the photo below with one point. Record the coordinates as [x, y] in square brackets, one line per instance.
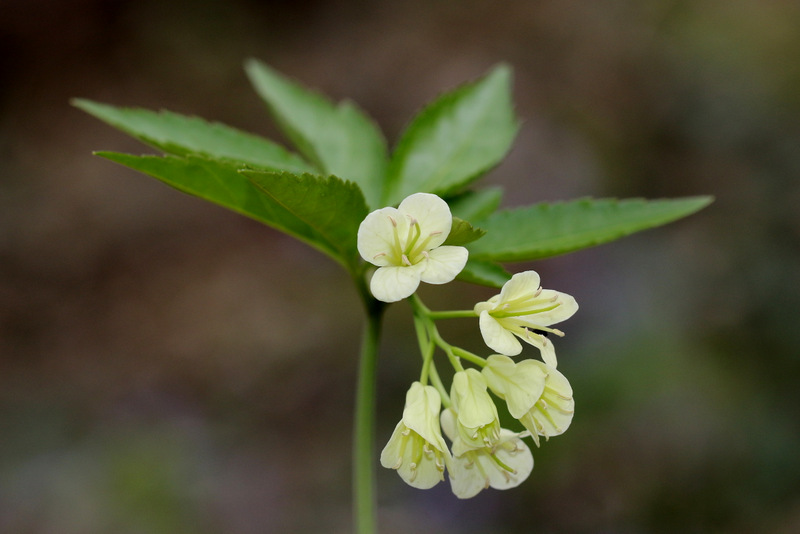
[455, 314]
[364, 498]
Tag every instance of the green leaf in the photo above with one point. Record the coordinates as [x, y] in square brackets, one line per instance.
[485, 273]
[545, 230]
[340, 140]
[455, 139]
[221, 183]
[462, 232]
[474, 205]
[332, 207]
[180, 135]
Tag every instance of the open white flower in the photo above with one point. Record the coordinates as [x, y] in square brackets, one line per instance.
[416, 449]
[538, 395]
[405, 244]
[506, 464]
[477, 422]
[525, 310]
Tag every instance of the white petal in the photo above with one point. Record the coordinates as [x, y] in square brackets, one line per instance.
[390, 284]
[426, 475]
[471, 400]
[398, 454]
[432, 213]
[520, 384]
[448, 421]
[391, 453]
[515, 455]
[521, 285]
[376, 236]
[466, 479]
[553, 414]
[444, 264]
[421, 414]
[544, 345]
[566, 308]
[549, 354]
[496, 337]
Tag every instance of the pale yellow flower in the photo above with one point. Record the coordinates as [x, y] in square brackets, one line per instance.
[525, 310]
[506, 464]
[405, 243]
[477, 422]
[538, 395]
[416, 449]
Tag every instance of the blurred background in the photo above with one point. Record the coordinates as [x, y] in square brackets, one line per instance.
[167, 366]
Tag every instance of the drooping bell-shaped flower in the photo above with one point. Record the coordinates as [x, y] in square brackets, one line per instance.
[405, 243]
[525, 310]
[416, 449]
[538, 395]
[477, 423]
[506, 464]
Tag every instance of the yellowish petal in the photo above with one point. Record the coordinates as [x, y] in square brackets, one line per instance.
[521, 285]
[432, 213]
[520, 384]
[496, 337]
[376, 236]
[444, 264]
[390, 284]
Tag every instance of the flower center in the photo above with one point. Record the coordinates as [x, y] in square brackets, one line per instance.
[412, 248]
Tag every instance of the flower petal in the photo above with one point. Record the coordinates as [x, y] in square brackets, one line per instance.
[448, 421]
[432, 213]
[520, 384]
[403, 450]
[444, 264]
[521, 285]
[496, 337]
[548, 353]
[552, 415]
[476, 470]
[376, 236]
[516, 455]
[421, 414]
[470, 399]
[566, 308]
[466, 478]
[390, 284]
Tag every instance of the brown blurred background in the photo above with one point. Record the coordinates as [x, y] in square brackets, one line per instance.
[167, 366]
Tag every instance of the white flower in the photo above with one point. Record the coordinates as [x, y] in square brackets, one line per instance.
[536, 394]
[405, 244]
[416, 449]
[525, 310]
[477, 423]
[506, 464]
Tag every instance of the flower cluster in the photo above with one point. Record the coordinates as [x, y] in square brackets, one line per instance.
[406, 246]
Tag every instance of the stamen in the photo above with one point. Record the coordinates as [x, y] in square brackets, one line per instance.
[378, 255]
[404, 258]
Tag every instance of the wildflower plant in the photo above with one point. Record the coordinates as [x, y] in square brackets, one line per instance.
[396, 219]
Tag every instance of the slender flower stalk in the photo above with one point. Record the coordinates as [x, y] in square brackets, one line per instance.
[364, 495]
